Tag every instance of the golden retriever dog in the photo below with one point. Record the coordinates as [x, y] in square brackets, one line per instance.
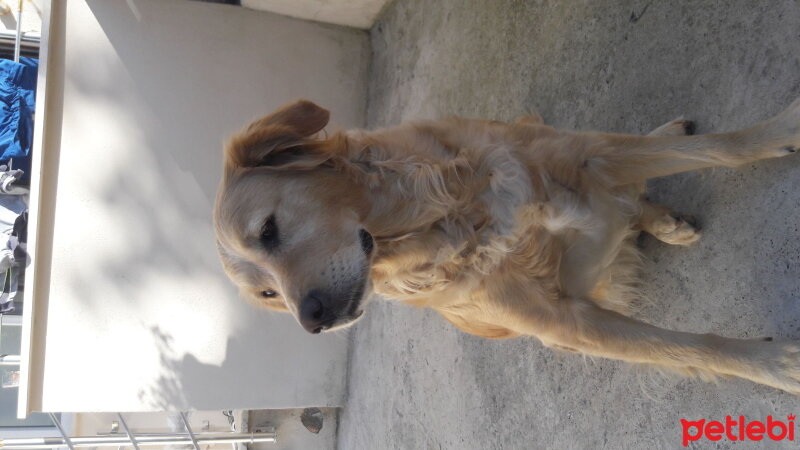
[505, 229]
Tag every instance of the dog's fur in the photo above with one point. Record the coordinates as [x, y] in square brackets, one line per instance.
[504, 229]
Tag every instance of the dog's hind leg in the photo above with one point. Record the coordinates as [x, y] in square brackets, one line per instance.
[677, 127]
[626, 159]
[532, 118]
[659, 221]
[667, 225]
[583, 326]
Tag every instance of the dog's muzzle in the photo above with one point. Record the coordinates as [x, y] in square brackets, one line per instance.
[319, 311]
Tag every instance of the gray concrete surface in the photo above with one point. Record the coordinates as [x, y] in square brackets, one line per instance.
[627, 66]
[291, 432]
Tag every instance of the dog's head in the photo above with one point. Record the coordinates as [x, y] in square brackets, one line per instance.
[289, 227]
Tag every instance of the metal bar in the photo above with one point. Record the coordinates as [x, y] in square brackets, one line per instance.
[188, 430]
[18, 41]
[12, 36]
[9, 360]
[143, 441]
[140, 435]
[128, 431]
[7, 320]
[64, 434]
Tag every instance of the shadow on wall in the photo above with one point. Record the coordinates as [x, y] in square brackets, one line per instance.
[159, 189]
[187, 383]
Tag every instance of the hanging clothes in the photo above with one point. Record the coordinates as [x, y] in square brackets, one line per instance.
[7, 180]
[13, 237]
[17, 106]
[16, 255]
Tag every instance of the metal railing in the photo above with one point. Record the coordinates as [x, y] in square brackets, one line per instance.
[136, 440]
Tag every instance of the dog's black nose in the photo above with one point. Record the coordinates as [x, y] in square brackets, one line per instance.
[315, 312]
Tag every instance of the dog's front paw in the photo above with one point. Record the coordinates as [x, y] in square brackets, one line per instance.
[784, 130]
[763, 361]
[783, 369]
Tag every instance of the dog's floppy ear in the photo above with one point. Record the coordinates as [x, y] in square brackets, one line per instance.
[281, 139]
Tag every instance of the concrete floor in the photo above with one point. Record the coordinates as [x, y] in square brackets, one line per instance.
[626, 66]
[291, 432]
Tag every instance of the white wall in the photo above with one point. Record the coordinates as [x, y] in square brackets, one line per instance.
[351, 13]
[139, 315]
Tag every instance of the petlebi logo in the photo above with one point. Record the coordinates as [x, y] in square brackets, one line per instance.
[739, 429]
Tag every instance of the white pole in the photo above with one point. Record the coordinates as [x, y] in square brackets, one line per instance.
[18, 42]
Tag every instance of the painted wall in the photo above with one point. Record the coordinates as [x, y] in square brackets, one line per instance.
[351, 13]
[139, 314]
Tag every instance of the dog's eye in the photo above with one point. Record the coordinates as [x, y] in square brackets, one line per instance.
[269, 293]
[269, 234]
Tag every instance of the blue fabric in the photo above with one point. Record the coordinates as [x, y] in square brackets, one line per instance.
[17, 105]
